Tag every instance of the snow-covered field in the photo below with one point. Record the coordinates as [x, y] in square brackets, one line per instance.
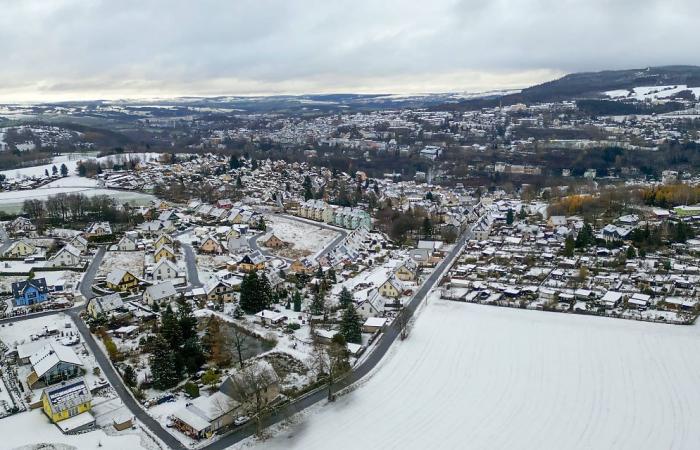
[33, 427]
[477, 377]
[302, 236]
[652, 92]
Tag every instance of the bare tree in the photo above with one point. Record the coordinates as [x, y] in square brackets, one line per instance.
[239, 340]
[256, 385]
[330, 361]
[403, 322]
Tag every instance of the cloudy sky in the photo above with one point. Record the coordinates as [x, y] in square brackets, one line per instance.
[87, 49]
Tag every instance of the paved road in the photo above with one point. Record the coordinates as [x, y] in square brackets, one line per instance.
[359, 371]
[191, 261]
[89, 276]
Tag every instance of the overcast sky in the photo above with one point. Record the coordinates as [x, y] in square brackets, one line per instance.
[83, 49]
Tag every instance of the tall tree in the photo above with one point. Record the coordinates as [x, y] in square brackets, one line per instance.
[350, 325]
[64, 170]
[163, 367]
[345, 298]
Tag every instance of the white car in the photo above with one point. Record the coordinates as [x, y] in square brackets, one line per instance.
[241, 420]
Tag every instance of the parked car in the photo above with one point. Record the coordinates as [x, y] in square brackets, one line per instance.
[241, 420]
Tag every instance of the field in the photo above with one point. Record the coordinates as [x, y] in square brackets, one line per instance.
[304, 238]
[478, 377]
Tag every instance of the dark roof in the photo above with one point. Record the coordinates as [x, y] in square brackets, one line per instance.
[18, 287]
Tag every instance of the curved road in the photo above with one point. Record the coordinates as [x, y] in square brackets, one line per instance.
[358, 372]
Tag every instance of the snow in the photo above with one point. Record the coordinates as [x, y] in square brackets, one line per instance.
[652, 92]
[479, 377]
[33, 427]
[305, 237]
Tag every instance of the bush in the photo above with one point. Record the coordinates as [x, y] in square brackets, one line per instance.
[293, 326]
[191, 389]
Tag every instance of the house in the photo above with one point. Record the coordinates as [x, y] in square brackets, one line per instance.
[274, 242]
[30, 292]
[205, 415]
[53, 363]
[611, 299]
[407, 271]
[372, 306]
[67, 256]
[374, 324]
[21, 225]
[66, 400]
[392, 288]
[126, 244]
[305, 265]
[164, 252]
[105, 304]
[121, 280]
[252, 261]
[163, 292]
[165, 270]
[98, 229]
[268, 317]
[80, 243]
[211, 245]
[218, 291]
[19, 249]
[236, 386]
[163, 239]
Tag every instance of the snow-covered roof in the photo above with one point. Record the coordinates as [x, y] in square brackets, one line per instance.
[161, 290]
[43, 360]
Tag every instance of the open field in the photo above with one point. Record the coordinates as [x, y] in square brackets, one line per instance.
[478, 377]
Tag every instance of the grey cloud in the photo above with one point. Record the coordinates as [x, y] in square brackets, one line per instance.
[95, 48]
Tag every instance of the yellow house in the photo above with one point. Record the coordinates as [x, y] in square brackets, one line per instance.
[407, 271]
[252, 261]
[238, 218]
[164, 252]
[20, 249]
[211, 245]
[391, 288]
[66, 400]
[121, 280]
[162, 240]
[233, 233]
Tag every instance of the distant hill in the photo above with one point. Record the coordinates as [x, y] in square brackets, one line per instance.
[591, 85]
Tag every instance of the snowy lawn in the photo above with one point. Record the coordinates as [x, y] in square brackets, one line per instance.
[303, 237]
[479, 377]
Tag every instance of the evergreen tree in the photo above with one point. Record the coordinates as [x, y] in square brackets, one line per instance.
[239, 182]
[186, 320]
[330, 276]
[569, 245]
[254, 165]
[350, 326]
[585, 236]
[46, 172]
[522, 215]
[297, 302]
[267, 296]
[253, 300]
[54, 170]
[345, 298]
[193, 355]
[631, 252]
[261, 224]
[129, 376]
[170, 328]
[64, 170]
[308, 192]
[163, 365]
[427, 227]
[318, 304]
[510, 216]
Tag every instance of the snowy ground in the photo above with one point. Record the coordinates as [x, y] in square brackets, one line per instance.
[478, 377]
[33, 427]
[303, 237]
[12, 200]
[131, 261]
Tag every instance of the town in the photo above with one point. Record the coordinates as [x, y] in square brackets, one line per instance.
[247, 265]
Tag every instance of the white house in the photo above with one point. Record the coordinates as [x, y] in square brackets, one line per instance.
[160, 293]
[126, 244]
[165, 270]
[68, 256]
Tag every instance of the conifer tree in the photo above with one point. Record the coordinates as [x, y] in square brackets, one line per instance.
[350, 326]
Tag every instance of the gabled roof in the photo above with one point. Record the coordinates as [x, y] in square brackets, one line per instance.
[167, 262]
[116, 275]
[161, 290]
[51, 354]
[68, 248]
[67, 395]
[19, 287]
[107, 303]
